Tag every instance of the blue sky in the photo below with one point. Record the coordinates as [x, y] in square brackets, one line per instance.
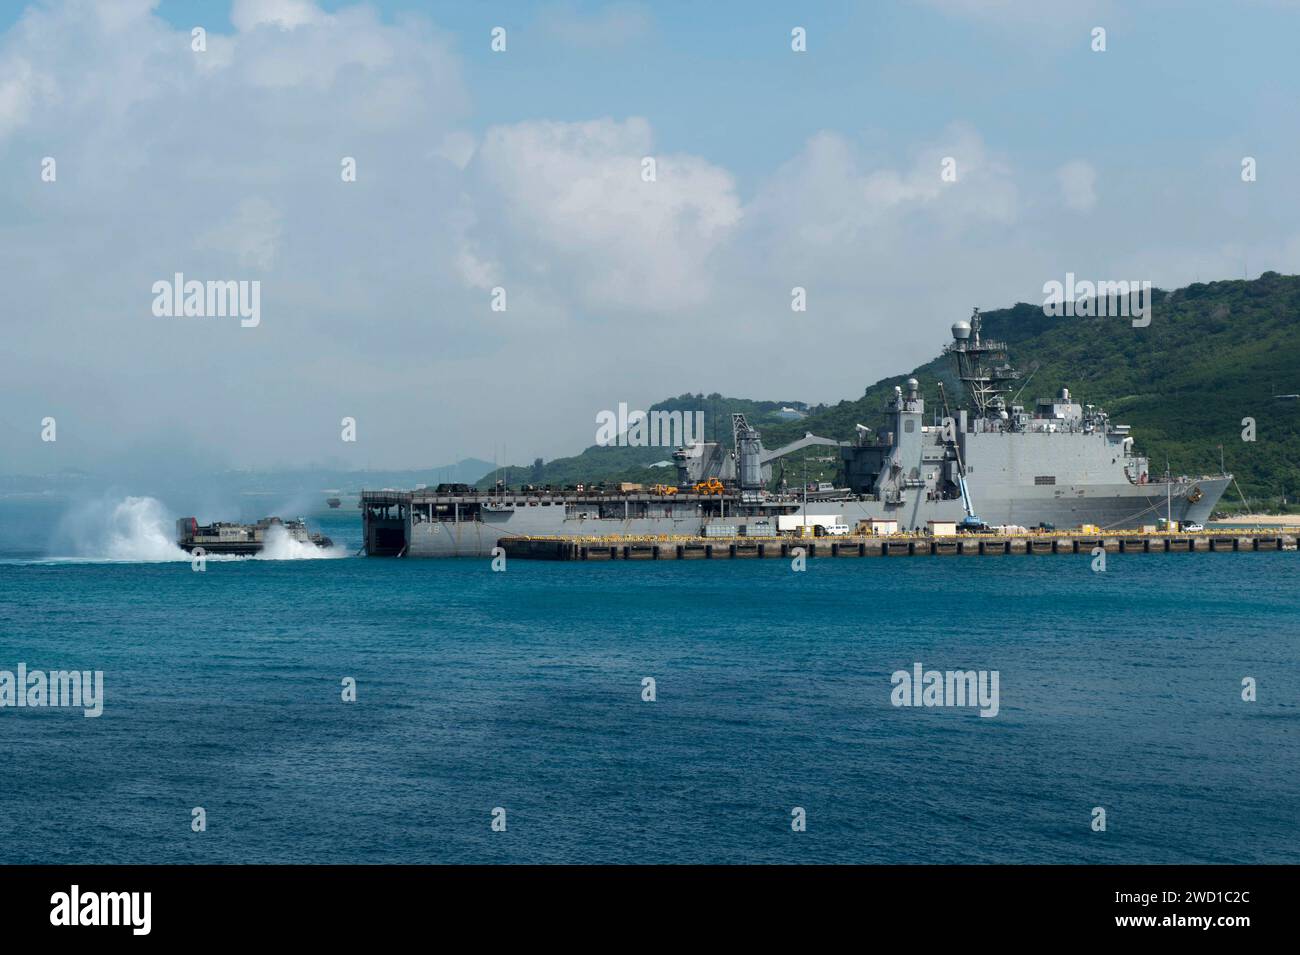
[519, 170]
[718, 78]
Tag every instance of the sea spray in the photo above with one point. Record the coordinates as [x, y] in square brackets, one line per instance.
[279, 545]
[141, 530]
[136, 529]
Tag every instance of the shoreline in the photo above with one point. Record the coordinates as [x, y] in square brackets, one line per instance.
[1277, 520]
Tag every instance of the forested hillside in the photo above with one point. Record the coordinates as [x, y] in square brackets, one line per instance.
[1212, 355]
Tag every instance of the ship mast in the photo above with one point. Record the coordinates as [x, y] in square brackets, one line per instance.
[982, 366]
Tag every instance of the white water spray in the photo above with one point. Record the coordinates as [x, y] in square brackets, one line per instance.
[135, 529]
[139, 530]
[278, 545]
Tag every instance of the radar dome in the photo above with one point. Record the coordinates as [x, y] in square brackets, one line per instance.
[961, 330]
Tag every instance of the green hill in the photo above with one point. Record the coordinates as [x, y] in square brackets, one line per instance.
[1212, 355]
[613, 463]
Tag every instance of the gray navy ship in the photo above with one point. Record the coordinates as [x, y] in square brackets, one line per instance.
[991, 463]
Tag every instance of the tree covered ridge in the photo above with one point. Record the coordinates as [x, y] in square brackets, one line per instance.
[1213, 354]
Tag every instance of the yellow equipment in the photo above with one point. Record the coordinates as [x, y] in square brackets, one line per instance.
[711, 486]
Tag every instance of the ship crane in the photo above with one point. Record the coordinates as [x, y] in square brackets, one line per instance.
[808, 440]
[970, 522]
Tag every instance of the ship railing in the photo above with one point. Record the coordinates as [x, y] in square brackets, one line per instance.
[1160, 481]
[382, 498]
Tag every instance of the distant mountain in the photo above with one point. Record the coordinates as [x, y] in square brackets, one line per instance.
[302, 481]
[1214, 354]
[466, 471]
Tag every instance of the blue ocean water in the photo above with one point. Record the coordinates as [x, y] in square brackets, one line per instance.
[522, 690]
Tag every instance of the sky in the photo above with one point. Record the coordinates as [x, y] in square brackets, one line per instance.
[524, 170]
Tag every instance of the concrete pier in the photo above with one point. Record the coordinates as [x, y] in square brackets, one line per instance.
[715, 548]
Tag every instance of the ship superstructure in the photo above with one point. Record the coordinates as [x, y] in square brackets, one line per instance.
[1061, 462]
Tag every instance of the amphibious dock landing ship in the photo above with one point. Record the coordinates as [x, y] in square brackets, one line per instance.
[227, 538]
[1061, 463]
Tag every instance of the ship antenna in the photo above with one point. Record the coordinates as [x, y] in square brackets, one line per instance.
[1032, 372]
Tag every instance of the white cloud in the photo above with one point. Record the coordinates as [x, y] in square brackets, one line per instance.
[19, 85]
[251, 234]
[833, 202]
[457, 148]
[285, 14]
[565, 207]
[226, 163]
[1078, 180]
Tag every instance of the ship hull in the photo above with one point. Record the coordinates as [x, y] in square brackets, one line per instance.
[244, 548]
[1110, 507]
[216, 547]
